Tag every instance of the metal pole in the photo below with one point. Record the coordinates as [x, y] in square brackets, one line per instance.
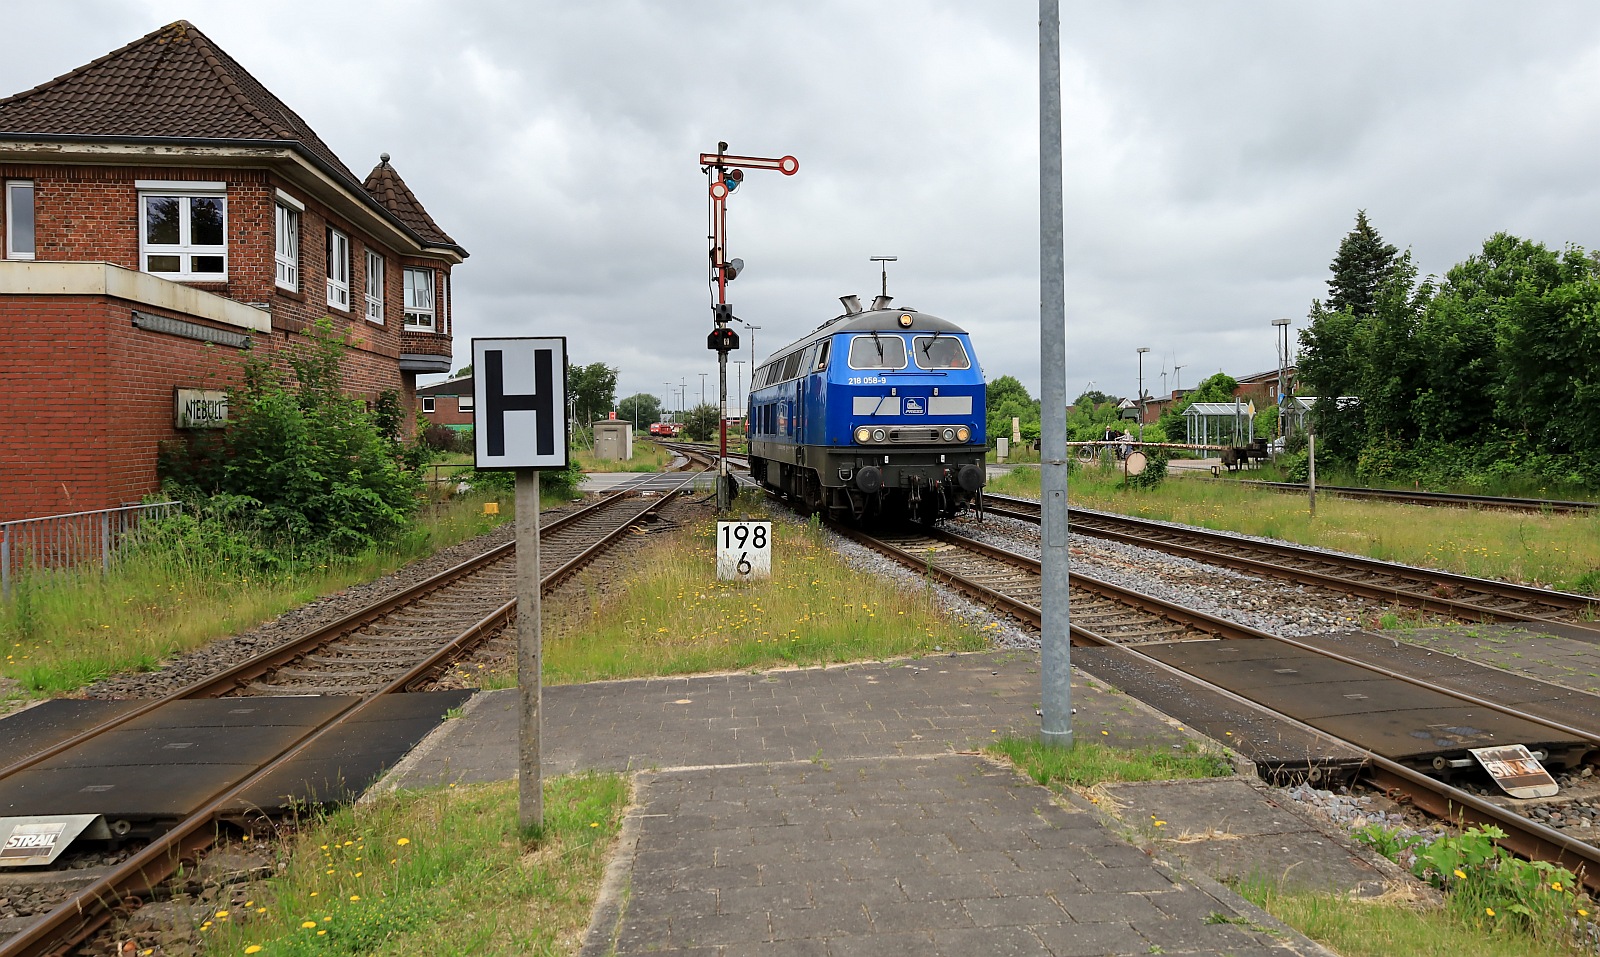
[703, 387]
[1055, 670]
[1311, 474]
[1141, 350]
[530, 780]
[724, 496]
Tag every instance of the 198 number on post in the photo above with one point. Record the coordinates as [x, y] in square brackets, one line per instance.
[744, 550]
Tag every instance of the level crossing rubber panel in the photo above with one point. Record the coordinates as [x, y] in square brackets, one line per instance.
[1386, 715]
[167, 764]
[1270, 743]
[31, 731]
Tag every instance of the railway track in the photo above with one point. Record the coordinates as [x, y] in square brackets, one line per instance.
[352, 664]
[1444, 499]
[1127, 627]
[1461, 596]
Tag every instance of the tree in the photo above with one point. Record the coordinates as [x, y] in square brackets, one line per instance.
[641, 409]
[1360, 268]
[1217, 388]
[592, 390]
[1005, 399]
[462, 372]
[1091, 398]
[700, 423]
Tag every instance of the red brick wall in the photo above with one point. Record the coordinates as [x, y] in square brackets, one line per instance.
[92, 398]
[91, 213]
[446, 411]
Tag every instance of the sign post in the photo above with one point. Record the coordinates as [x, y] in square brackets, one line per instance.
[520, 425]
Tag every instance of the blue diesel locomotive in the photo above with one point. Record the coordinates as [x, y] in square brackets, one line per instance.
[879, 413]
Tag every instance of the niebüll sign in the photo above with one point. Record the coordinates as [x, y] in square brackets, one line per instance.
[202, 409]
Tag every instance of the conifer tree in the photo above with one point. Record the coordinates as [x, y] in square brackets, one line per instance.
[1363, 264]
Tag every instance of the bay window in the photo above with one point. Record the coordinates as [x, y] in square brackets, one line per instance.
[419, 299]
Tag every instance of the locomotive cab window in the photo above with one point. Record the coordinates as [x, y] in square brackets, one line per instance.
[940, 352]
[822, 355]
[877, 352]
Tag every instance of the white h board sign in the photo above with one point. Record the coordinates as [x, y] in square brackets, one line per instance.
[744, 550]
[520, 415]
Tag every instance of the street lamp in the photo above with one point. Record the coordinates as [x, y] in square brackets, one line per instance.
[703, 387]
[1283, 357]
[744, 400]
[1141, 350]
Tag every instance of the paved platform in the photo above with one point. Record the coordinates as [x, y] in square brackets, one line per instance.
[846, 810]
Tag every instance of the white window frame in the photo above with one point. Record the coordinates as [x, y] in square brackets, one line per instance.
[338, 270]
[184, 249]
[466, 403]
[420, 317]
[11, 204]
[374, 283]
[444, 302]
[427, 404]
[286, 254]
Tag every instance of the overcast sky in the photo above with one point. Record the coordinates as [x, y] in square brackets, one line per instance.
[1215, 154]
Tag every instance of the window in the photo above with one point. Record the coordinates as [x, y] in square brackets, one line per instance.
[419, 299]
[338, 270]
[877, 352]
[288, 252]
[427, 403]
[464, 403]
[822, 355]
[183, 235]
[374, 287]
[19, 219]
[939, 352]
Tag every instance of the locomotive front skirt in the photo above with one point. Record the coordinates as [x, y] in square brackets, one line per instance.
[878, 413]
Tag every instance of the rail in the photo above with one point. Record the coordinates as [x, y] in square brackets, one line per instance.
[70, 540]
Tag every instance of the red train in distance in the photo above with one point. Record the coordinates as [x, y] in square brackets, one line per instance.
[666, 429]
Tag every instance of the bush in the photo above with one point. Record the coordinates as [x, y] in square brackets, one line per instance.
[301, 465]
[1155, 472]
[440, 438]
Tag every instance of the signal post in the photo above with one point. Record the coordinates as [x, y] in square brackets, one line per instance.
[725, 172]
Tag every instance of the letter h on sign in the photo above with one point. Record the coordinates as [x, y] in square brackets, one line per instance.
[519, 418]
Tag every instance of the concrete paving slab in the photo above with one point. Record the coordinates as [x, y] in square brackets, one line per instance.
[869, 826]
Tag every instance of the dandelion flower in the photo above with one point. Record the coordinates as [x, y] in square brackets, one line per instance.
[1460, 874]
[403, 841]
[1555, 885]
[308, 924]
[253, 949]
[594, 823]
[322, 933]
[355, 897]
[224, 914]
[1489, 911]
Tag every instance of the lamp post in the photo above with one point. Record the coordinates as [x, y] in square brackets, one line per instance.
[703, 387]
[666, 403]
[752, 330]
[1282, 345]
[1141, 350]
[744, 400]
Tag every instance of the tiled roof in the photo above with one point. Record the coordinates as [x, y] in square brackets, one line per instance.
[172, 83]
[175, 84]
[388, 188]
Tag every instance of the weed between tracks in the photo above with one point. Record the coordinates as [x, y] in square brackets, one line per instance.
[436, 872]
[1561, 551]
[63, 631]
[672, 615]
[1088, 763]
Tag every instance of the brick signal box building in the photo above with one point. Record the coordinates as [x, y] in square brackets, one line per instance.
[160, 213]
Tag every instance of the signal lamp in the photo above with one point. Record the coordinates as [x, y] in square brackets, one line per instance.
[949, 435]
[878, 435]
[732, 178]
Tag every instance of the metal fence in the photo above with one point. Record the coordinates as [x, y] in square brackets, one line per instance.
[69, 541]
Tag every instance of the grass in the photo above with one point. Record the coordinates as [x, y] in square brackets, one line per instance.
[65, 630]
[445, 871]
[647, 457]
[1383, 928]
[675, 617]
[1561, 551]
[1088, 763]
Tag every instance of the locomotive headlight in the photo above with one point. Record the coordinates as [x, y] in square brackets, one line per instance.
[963, 434]
[863, 435]
[949, 435]
[878, 435]
[905, 322]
